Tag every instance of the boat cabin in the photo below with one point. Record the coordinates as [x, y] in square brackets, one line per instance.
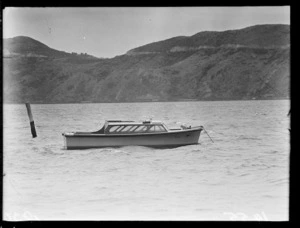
[132, 127]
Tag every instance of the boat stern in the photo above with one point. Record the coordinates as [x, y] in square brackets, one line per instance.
[66, 138]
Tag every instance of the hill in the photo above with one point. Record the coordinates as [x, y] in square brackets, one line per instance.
[259, 36]
[250, 63]
[26, 46]
[23, 46]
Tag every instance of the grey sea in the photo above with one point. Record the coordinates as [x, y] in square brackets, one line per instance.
[242, 175]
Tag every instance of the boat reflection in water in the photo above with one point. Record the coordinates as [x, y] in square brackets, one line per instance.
[117, 133]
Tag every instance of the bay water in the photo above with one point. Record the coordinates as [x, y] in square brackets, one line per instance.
[243, 174]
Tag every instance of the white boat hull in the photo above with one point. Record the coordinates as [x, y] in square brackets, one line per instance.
[166, 139]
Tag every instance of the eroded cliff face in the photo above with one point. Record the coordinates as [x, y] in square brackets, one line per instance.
[175, 69]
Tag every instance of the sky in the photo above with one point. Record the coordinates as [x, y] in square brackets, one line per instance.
[110, 31]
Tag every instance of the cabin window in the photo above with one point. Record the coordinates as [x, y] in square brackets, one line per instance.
[157, 128]
[136, 128]
[113, 129]
[133, 128]
[120, 129]
[141, 129]
[160, 128]
[151, 129]
[127, 128]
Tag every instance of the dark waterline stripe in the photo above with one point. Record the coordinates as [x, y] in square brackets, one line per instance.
[169, 146]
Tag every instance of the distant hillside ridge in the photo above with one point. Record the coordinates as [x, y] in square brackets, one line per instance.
[29, 47]
[245, 64]
[258, 36]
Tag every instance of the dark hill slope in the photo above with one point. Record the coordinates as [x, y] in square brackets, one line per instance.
[220, 72]
[23, 45]
[262, 36]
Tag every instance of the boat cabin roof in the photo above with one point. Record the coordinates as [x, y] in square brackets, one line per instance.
[121, 122]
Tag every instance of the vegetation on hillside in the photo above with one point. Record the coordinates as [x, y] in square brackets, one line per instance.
[251, 63]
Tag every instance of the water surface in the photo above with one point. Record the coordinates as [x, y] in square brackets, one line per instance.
[242, 175]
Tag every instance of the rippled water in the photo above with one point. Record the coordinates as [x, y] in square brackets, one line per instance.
[242, 175]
